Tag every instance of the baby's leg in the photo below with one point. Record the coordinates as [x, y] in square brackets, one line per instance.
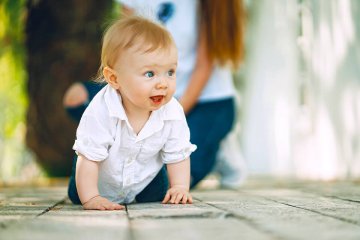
[72, 191]
[156, 190]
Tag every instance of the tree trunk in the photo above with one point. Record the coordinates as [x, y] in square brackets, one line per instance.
[63, 44]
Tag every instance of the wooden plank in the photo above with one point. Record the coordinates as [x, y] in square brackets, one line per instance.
[193, 228]
[31, 196]
[158, 210]
[278, 219]
[274, 210]
[332, 207]
[67, 221]
[342, 190]
[192, 221]
[17, 204]
[60, 228]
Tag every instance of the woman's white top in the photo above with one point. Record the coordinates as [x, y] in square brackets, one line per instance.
[129, 162]
[183, 25]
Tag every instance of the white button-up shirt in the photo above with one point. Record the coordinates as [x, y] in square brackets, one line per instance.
[129, 162]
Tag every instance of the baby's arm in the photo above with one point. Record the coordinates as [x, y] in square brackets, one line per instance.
[87, 186]
[179, 177]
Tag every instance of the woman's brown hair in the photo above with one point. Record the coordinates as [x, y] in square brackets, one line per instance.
[224, 28]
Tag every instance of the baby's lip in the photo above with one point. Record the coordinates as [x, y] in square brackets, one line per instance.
[157, 98]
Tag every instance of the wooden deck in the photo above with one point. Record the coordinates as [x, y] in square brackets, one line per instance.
[262, 209]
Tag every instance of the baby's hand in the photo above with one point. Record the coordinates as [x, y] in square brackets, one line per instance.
[177, 194]
[100, 203]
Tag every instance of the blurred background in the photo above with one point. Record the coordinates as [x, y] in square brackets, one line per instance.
[299, 85]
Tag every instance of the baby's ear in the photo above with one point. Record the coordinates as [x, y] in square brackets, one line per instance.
[111, 77]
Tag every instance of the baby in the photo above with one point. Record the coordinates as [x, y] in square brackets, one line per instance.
[133, 126]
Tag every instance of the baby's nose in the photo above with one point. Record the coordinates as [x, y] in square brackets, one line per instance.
[162, 83]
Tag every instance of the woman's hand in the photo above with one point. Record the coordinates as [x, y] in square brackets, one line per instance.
[101, 203]
[178, 194]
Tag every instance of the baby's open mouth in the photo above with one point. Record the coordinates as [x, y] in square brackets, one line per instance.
[157, 99]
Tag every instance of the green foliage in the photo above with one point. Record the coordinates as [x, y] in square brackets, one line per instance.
[13, 99]
[15, 160]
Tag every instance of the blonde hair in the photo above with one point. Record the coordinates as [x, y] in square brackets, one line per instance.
[128, 32]
[223, 22]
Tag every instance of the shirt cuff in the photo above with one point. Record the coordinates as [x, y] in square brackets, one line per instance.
[178, 156]
[90, 152]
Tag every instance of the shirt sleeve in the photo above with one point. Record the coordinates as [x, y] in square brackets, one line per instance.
[178, 147]
[93, 137]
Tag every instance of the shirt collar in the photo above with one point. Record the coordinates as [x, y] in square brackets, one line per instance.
[114, 103]
[170, 111]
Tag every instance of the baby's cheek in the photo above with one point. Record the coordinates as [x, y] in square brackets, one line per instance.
[172, 89]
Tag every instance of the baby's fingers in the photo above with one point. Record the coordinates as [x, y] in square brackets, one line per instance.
[94, 207]
[190, 199]
[178, 198]
[184, 199]
[173, 197]
[113, 206]
[166, 198]
[119, 207]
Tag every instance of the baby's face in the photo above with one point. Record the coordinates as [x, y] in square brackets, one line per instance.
[147, 80]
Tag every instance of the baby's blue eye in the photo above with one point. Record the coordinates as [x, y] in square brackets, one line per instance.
[149, 74]
[171, 73]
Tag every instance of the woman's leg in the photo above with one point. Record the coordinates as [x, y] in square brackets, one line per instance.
[156, 190]
[209, 123]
